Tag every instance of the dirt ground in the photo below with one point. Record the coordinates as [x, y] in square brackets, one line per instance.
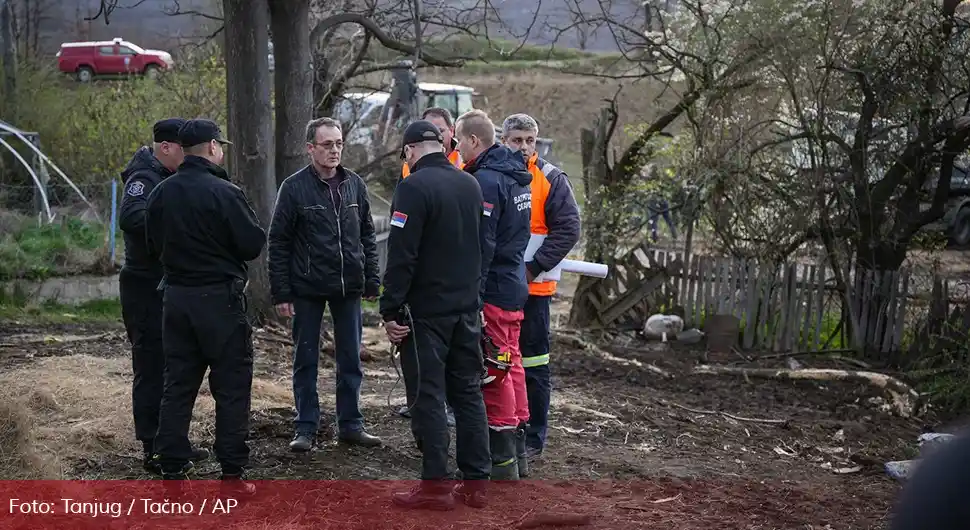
[687, 451]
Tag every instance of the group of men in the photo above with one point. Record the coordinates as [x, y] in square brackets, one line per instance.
[460, 297]
[462, 215]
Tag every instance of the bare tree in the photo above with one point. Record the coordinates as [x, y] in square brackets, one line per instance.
[293, 76]
[250, 122]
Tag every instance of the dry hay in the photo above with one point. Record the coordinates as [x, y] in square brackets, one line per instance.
[79, 408]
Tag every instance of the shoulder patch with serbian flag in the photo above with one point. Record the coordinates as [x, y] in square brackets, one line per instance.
[398, 219]
[488, 208]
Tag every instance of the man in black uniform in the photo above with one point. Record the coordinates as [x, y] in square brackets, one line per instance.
[430, 307]
[141, 303]
[204, 231]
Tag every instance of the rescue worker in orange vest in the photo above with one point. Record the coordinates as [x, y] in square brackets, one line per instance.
[555, 214]
[442, 119]
[445, 123]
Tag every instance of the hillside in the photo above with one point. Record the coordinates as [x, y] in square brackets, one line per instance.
[544, 22]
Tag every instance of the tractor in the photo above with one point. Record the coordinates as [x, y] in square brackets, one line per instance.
[374, 121]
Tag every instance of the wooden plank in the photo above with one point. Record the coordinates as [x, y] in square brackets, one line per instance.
[681, 282]
[737, 287]
[820, 311]
[701, 281]
[630, 299]
[901, 311]
[661, 293]
[865, 306]
[710, 265]
[764, 307]
[795, 307]
[692, 307]
[878, 311]
[886, 343]
[808, 294]
[784, 296]
[751, 304]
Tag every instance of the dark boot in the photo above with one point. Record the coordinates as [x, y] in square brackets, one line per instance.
[428, 495]
[505, 465]
[234, 486]
[520, 451]
[150, 462]
[472, 493]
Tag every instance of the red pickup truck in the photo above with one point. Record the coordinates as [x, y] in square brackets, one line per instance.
[116, 57]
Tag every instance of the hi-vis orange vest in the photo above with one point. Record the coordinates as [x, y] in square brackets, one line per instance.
[454, 157]
[540, 191]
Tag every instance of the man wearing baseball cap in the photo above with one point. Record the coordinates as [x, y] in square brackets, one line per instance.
[204, 231]
[430, 308]
[141, 302]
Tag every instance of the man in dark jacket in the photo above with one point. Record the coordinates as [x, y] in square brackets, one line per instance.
[141, 301]
[935, 495]
[504, 180]
[430, 307]
[204, 231]
[555, 217]
[323, 251]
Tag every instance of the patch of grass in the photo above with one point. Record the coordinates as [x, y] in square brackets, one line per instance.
[35, 252]
[15, 307]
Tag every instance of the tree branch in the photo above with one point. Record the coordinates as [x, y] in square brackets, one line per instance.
[388, 42]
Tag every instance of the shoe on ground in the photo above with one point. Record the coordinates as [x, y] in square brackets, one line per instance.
[360, 438]
[533, 452]
[471, 493]
[151, 462]
[404, 411]
[301, 443]
[234, 485]
[428, 495]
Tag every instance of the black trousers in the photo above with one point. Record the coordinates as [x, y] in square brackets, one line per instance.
[141, 310]
[206, 327]
[442, 360]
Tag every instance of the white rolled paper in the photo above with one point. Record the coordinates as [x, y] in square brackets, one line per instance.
[585, 268]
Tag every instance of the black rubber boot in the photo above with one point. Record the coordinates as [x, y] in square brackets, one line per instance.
[520, 451]
[505, 465]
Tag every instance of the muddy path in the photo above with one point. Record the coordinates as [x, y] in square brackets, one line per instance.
[802, 454]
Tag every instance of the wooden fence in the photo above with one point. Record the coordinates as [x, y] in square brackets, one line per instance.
[795, 307]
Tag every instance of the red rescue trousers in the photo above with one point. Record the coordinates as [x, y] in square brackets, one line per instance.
[505, 400]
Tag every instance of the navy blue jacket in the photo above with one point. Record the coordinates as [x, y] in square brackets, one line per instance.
[504, 231]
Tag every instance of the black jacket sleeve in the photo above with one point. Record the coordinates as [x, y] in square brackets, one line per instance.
[154, 223]
[247, 236]
[562, 219]
[368, 240]
[131, 215]
[280, 246]
[403, 244]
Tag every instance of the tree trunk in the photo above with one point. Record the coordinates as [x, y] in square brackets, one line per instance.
[250, 124]
[293, 78]
[9, 56]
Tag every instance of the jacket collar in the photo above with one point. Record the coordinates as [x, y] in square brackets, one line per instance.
[341, 173]
[198, 162]
[431, 159]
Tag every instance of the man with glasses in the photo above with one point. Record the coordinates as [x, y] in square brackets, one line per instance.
[323, 252]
